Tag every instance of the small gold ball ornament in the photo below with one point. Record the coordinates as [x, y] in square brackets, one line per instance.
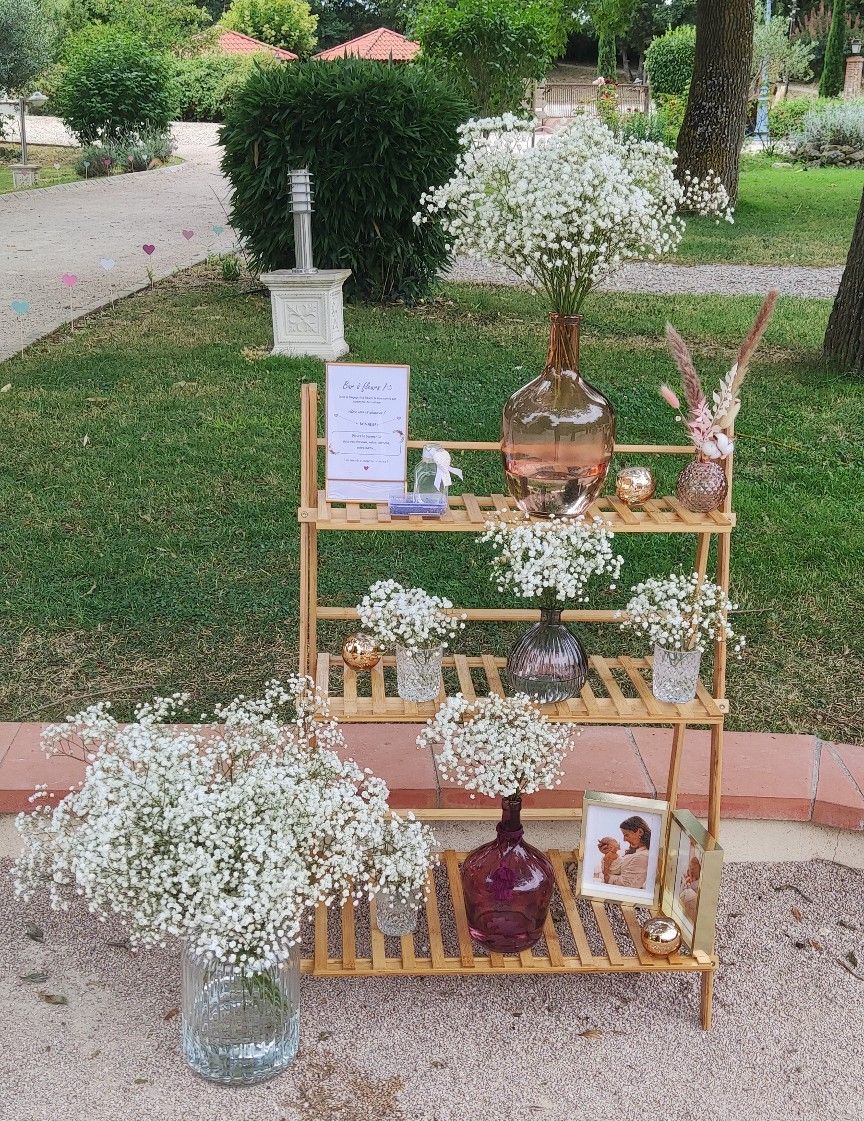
[359, 651]
[661, 936]
[635, 484]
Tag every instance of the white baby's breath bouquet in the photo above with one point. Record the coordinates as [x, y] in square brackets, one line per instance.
[409, 617]
[551, 560]
[680, 612]
[566, 212]
[404, 853]
[497, 746]
[225, 837]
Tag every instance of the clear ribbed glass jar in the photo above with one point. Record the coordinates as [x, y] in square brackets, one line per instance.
[548, 662]
[675, 674]
[418, 673]
[392, 915]
[237, 1028]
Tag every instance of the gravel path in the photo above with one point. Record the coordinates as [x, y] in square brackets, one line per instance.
[71, 228]
[721, 280]
[788, 1037]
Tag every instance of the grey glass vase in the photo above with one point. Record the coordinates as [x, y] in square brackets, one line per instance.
[548, 662]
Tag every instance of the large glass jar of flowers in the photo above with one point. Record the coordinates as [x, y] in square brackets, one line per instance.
[505, 748]
[224, 837]
[550, 564]
[419, 626]
[682, 615]
[563, 212]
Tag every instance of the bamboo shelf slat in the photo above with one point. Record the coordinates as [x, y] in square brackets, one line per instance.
[468, 513]
[444, 946]
[628, 698]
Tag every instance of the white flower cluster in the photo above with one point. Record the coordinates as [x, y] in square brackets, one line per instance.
[407, 616]
[497, 746]
[566, 213]
[403, 856]
[553, 559]
[225, 838]
[678, 612]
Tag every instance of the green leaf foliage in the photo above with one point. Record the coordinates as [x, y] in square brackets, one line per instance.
[283, 23]
[834, 66]
[115, 86]
[669, 60]
[375, 137]
[164, 24]
[490, 49]
[26, 42]
[208, 82]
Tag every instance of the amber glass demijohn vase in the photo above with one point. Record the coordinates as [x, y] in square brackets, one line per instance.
[507, 886]
[557, 432]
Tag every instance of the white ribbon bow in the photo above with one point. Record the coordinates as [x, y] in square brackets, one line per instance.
[441, 458]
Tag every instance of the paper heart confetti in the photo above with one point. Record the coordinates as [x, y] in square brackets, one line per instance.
[107, 263]
[69, 279]
[218, 230]
[149, 249]
[20, 307]
[188, 234]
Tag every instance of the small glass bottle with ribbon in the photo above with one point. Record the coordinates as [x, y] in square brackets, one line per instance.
[434, 474]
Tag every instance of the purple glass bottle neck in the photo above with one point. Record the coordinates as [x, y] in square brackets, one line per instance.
[510, 826]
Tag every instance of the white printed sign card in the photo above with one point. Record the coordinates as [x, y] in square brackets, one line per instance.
[366, 431]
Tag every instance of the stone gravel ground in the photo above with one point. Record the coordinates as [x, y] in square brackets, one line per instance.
[721, 280]
[787, 1042]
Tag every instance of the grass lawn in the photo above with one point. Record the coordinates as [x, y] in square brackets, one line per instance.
[56, 163]
[785, 216]
[149, 484]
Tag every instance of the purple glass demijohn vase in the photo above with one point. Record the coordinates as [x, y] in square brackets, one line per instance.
[507, 885]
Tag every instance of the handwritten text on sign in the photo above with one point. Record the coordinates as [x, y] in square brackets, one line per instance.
[367, 426]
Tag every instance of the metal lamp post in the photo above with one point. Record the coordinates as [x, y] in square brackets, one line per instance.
[762, 130]
[25, 174]
[306, 302]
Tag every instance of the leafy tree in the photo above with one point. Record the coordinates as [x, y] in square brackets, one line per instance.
[283, 23]
[653, 17]
[669, 60]
[26, 42]
[490, 49]
[610, 18]
[163, 24]
[834, 67]
[116, 87]
[776, 57]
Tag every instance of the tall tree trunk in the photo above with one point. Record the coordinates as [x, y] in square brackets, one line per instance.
[844, 339]
[713, 128]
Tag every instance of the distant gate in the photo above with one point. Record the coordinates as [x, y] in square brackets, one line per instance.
[566, 100]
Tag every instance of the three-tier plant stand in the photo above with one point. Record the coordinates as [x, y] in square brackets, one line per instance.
[580, 936]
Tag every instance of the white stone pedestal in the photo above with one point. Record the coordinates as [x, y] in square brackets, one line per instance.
[24, 174]
[307, 312]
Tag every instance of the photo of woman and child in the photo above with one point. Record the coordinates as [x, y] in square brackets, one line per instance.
[620, 853]
[687, 877]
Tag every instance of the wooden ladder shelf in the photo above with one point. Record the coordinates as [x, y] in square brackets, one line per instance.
[617, 691]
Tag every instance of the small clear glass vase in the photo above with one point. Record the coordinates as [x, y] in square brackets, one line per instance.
[675, 674]
[239, 1028]
[418, 673]
[548, 662]
[392, 915]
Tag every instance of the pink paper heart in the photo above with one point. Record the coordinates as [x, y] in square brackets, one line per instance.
[149, 249]
[69, 279]
[188, 234]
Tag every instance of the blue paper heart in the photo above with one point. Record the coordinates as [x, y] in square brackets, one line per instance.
[20, 307]
[218, 230]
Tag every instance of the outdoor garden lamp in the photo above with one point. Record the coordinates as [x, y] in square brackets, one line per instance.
[301, 207]
[856, 46]
[36, 100]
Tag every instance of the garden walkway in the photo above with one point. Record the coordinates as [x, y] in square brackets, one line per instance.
[72, 229]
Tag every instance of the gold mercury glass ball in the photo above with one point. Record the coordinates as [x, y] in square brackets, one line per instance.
[635, 484]
[661, 936]
[359, 651]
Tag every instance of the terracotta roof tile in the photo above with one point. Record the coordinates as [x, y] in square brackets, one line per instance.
[235, 42]
[379, 45]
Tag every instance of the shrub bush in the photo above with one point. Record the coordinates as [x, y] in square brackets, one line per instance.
[786, 117]
[95, 161]
[375, 138]
[207, 83]
[837, 124]
[669, 60]
[284, 23]
[115, 86]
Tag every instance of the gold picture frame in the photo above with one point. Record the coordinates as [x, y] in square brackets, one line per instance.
[602, 818]
[691, 880]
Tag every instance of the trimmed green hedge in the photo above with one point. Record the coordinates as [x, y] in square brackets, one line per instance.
[669, 60]
[375, 137]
